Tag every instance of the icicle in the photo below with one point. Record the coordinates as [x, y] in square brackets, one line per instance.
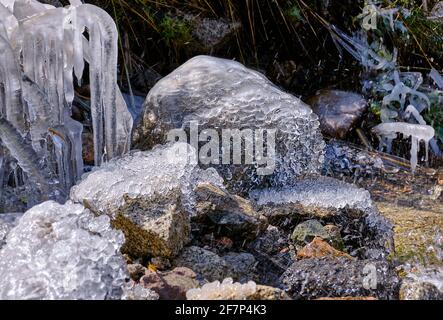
[417, 132]
[13, 108]
[24, 154]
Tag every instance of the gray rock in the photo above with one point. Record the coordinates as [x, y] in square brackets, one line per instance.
[338, 111]
[212, 267]
[231, 215]
[136, 271]
[222, 94]
[207, 264]
[437, 12]
[148, 195]
[340, 277]
[241, 265]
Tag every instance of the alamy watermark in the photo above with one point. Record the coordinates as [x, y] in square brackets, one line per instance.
[254, 147]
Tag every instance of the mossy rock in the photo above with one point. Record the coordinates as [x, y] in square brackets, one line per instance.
[415, 232]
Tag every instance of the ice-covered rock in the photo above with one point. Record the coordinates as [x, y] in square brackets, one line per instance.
[136, 291]
[62, 252]
[335, 202]
[340, 277]
[149, 195]
[230, 290]
[221, 94]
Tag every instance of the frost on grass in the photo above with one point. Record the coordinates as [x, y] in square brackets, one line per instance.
[62, 252]
[44, 51]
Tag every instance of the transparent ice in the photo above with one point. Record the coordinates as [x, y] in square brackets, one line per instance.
[44, 51]
[62, 252]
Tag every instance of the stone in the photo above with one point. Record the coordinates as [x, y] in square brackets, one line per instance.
[230, 290]
[211, 34]
[171, 285]
[349, 299]
[230, 215]
[242, 265]
[149, 196]
[222, 94]
[338, 111]
[319, 248]
[211, 267]
[205, 263]
[305, 233]
[59, 252]
[340, 277]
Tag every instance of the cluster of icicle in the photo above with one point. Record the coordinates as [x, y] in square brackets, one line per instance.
[43, 50]
[403, 99]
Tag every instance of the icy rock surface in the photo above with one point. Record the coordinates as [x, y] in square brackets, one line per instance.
[62, 252]
[338, 203]
[222, 94]
[322, 192]
[7, 222]
[340, 277]
[149, 195]
[226, 290]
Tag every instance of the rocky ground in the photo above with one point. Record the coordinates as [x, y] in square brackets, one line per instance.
[155, 225]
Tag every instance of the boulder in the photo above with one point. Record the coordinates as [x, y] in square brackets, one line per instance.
[59, 252]
[338, 111]
[224, 95]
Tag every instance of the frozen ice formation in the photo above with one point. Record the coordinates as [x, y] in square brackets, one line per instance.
[44, 50]
[323, 192]
[7, 222]
[418, 132]
[226, 290]
[222, 94]
[345, 204]
[62, 252]
[149, 195]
